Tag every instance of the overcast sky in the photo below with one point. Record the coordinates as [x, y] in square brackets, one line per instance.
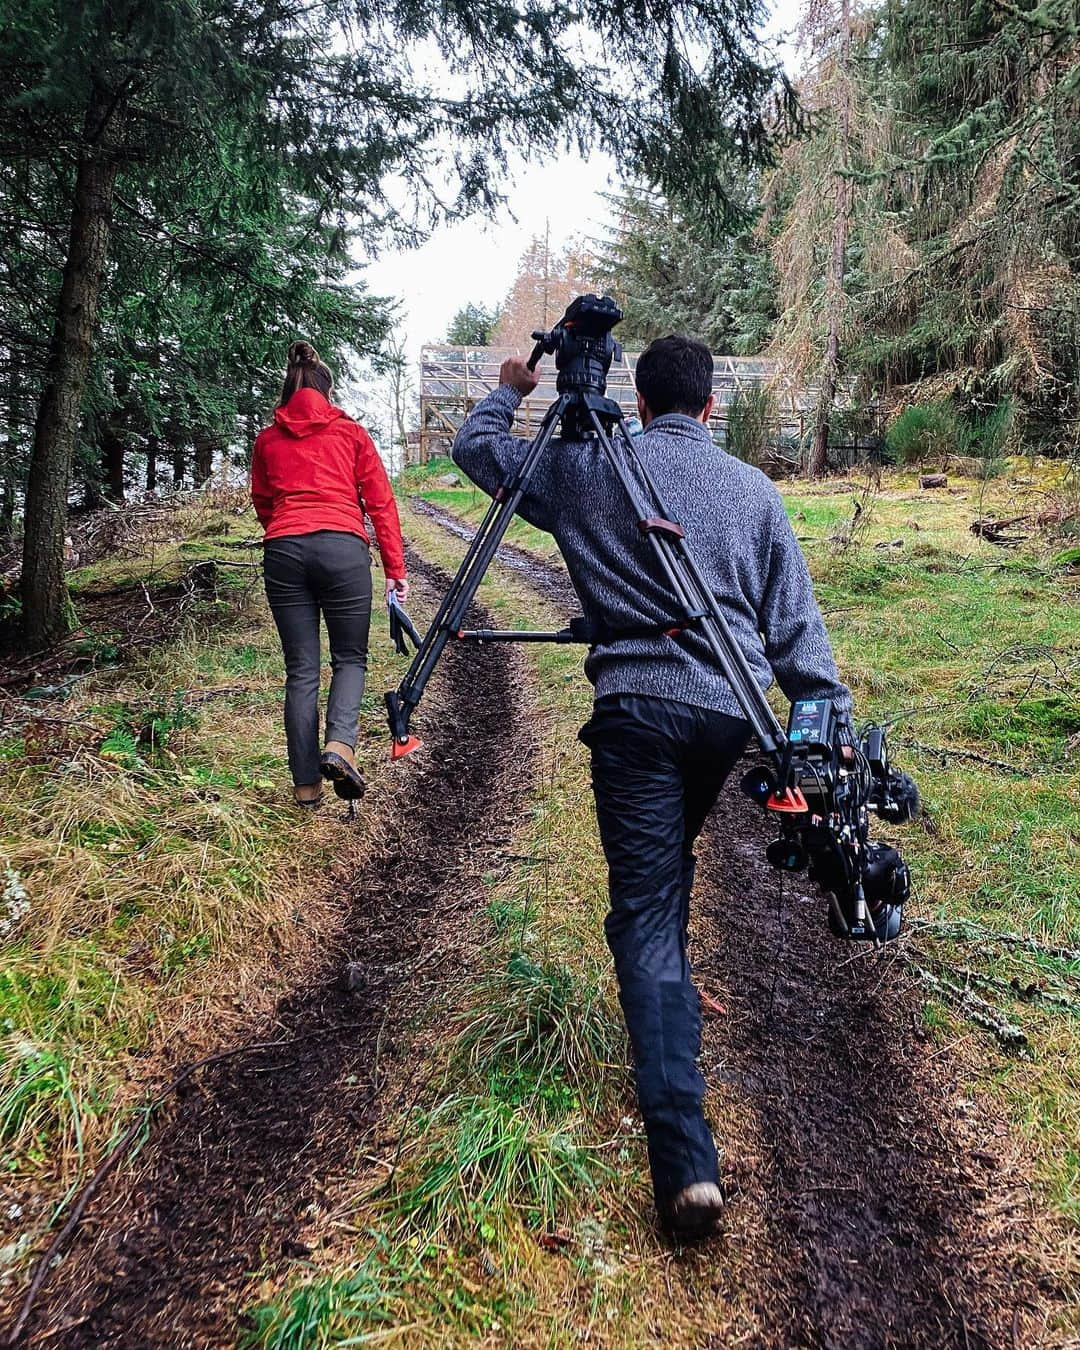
[476, 260]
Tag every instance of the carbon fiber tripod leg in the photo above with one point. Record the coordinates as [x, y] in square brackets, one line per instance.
[450, 615]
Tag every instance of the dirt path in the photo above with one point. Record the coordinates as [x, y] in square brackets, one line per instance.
[887, 1208]
[872, 1203]
[234, 1172]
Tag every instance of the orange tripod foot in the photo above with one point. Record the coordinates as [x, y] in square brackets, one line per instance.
[789, 802]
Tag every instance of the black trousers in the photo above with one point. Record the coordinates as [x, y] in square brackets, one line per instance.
[327, 571]
[657, 768]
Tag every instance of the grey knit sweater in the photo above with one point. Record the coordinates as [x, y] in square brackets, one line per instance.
[735, 525]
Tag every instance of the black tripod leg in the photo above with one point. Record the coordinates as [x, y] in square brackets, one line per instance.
[478, 558]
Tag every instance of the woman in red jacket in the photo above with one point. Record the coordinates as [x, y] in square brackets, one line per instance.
[314, 473]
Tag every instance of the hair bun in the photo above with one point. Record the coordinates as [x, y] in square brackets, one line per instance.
[303, 354]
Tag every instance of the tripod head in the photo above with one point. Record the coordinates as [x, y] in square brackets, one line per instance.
[584, 349]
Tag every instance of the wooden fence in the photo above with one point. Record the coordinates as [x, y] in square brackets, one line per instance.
[454, 379]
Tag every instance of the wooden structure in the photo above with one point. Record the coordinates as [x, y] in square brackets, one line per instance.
[454, 379]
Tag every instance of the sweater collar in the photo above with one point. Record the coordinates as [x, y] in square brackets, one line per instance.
[679, 424]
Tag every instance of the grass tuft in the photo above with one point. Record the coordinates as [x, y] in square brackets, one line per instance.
[482, 1158]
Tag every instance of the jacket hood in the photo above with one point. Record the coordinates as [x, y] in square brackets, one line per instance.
[306, 412]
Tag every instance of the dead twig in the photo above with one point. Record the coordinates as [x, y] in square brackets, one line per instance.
[971, 755]
[968, 930]
[974, 1008]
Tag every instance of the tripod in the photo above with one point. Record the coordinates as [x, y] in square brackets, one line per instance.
[695, 605]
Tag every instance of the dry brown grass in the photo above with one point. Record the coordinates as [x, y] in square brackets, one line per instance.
[172, 890]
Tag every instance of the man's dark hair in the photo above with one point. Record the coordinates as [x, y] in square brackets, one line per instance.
[674, 374]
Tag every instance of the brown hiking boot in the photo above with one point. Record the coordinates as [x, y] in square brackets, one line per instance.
[695, 1212]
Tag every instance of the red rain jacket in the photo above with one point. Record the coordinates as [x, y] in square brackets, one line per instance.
[317, 469]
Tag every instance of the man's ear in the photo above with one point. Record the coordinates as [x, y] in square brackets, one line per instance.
[643, 409]
[706, 412]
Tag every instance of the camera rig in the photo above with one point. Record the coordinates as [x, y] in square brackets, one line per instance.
[820, 782]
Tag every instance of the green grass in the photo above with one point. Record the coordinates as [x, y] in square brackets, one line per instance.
[527, 1127]
[167, 876]
[321, 1312]
[160, 877]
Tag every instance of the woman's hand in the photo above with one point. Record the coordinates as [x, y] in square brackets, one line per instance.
[399, 586]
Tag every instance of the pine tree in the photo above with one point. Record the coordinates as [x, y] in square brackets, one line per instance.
[472, 326]
[986, 112]
[325, 109]
[545, 284]
[825, 230]
[673, 272]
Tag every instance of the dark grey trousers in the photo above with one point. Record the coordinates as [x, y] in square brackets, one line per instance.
[328, 571]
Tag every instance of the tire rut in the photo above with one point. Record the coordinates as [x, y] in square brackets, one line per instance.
[237, 1166]
[891, 1200]
[871, 1201]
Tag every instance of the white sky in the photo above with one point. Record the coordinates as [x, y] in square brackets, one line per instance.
[476, 260]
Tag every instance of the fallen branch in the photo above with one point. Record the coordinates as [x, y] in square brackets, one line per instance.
[993, 531]
[968, 931]
[975, 1009]
[946, 754]
[1022, 991]
[1025, 993]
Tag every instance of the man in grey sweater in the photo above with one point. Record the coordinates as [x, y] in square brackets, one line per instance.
[666, 728]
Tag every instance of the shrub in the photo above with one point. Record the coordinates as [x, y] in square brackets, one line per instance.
[928, 430]
[990, 435]
[752, 417]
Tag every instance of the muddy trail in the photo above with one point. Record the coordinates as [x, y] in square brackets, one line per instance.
[886, 1207]
[235, 1171]
[871, 1202]
[546, 579]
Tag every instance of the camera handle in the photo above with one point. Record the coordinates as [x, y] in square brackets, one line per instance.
[694, 598]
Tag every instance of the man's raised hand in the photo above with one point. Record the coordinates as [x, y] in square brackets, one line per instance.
[517, 375]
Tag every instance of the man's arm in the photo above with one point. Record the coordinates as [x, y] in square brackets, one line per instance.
[796, 643]
[488, 453]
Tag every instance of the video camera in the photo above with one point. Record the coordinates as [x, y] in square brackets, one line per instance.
[821, 797]
[584, 349]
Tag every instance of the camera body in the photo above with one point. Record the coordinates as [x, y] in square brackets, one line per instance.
[823, 807]
[582, 345]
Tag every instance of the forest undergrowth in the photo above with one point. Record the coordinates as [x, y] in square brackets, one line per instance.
[158, 889]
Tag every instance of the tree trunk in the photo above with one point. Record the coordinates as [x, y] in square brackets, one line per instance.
[204, 458]
[11, 458]
[113, 445]
[151, 464]
[179, 467]
[834, 281]
[112, 464]
[47, 612]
